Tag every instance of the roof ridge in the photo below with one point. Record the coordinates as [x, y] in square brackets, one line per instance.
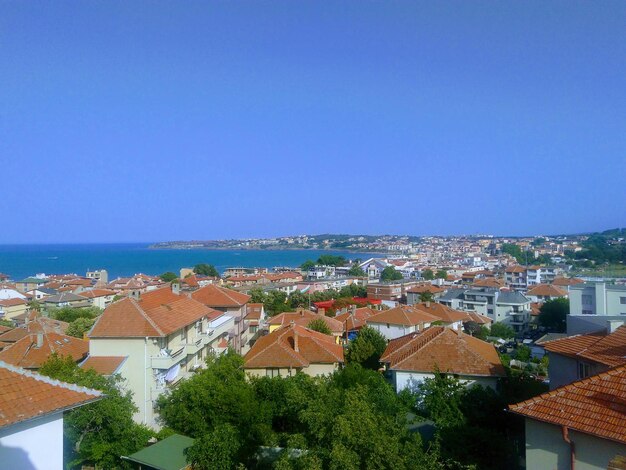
[144, 314]
[422, 342]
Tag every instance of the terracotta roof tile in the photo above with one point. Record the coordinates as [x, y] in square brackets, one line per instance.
[215, 296]
[446, 349]
[93, 293]
[278, 349]
[547, 290]
[355, 320]
[595, 405]
[567, 281]
[25, 353]
[403, 315]
[425, 288]
[304, 317]
[105, 365]
[25, 395]
[599, 347]
[442, 312]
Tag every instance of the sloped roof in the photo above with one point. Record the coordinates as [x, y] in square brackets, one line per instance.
[403, 315]
[547, 290]
[25, 395]
[105, 365]
[425, 288]
[215, 296]
[599, 347]
[567, 281]
[355, 320]
[478, 318]
[512, 297]
[93, 293]
[25, 353]
[515, 269]
[254, 311]
[443, 348]
[488, 282]
[442, 312]
[158, 313]
[304, 317]
[167, 454]
[278, 349]
[63, 297]
[595, 405]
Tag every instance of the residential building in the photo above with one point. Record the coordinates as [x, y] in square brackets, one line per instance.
[593, 304]
[579, 426]
[303, 317]
[414, 357]
[543, 292]
[40, 293]
[391, 293]
[163, 335]
[30, 283]
[31, 421]
[8, 292]
[515, 277]
[541, 275]
[228, 301]
[580, 356]
[400, 321]
[254, 322]
[354, 319]
[167, 454]
[413, 294]
[11, 308]
[100, 298]
[293, 348]
[99, 276]
[64, 299]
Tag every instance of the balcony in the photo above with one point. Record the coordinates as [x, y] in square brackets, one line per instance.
[168, 358]
[218, 327]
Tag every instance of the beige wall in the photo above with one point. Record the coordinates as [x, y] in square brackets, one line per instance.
[545, 448]
[313, 370]
[13, 311]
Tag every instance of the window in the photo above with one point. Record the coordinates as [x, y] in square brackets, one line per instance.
[587, 300]
[272, 372]
[584, 370]
[587, 312]
[253, 329]
[622, 300]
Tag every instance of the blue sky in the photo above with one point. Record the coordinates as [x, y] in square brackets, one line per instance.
[143, 121]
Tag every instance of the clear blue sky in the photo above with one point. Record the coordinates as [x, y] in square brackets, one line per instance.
[161, 120]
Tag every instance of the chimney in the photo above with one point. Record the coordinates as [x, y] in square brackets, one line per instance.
[39, 340]
[296, 348]
[135, 294]
[428, 304]
[612, 325]
[321, 311]
[176, 287]
[353, 309]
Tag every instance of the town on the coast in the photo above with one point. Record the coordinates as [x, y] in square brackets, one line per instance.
[475, 352]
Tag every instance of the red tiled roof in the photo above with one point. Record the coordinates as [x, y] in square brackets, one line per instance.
[566, 281]
[355, 320]
[442, 312]
[304, 317]
[105, 365]
[93, 293]
[254, 311]
[547, 290]
[609, 350]
[278, 349]
[157, 313]
[215, 296]
[25, 395]
[403, 315]
[12, 302]
[25, 353]
[443, 348]
[595, 405]
[488, 282]
[425, 288]
[515, 269]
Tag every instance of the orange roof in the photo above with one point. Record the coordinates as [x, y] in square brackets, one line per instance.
[293, 346]
[488, 282]
[535, 308]
[12, 302]
[304, 317]
[93, 293]
[25, 395]
[25, 353]
[442, 312]
[566, 281]
[105, 365]
[157, 313]
[191, 281]
[215, 296]
[403, 315]
[439, 347]
[515, 269]
[547, 290]
[595, 405]
[478, 318]
[425, 288]
[609, 350]
[254, 311]
[355, 320]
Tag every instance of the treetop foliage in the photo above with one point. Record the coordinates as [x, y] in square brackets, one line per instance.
[206, 270]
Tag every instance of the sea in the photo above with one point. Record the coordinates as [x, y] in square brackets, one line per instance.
[126, 259]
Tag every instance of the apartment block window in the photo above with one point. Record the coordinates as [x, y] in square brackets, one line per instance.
[253, 329]
[622, 300]
[584, 370]
[272, 372]
[587, 312]
[587, 300]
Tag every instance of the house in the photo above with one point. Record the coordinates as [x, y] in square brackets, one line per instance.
[41, 292]
[354, 319]
[32, 350]
[30, 283]
[32, 326]
[515, 277]
[401, 320]
[163, 335]
[445, 315]
[581, 425]
[64, 299]
[566, 282]
[544, 292]
[31, 421]
[303, 317]
[293, 348]
[11, 308]
[8, 292]
[100, 298]
[580, 356]
[413, 294]
[592, 304]
[252, 325]
[416, 356]
[228, 301]
[536, 275]
[389, 292]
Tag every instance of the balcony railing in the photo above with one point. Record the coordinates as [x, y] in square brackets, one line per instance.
[168, 359]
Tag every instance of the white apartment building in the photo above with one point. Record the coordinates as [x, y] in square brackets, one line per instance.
[592, 304]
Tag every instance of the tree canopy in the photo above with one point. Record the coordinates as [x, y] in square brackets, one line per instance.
[317, 324]
[70, 314]
[206, 270]
[366, 348]
[428, 274]
[357, 271]
[390, 274]
[553, 314]
[79, 327]
[441, 274]
[168, 276]
[501, 330]
[331, 260]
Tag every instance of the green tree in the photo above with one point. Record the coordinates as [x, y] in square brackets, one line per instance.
[426, 296]
[367, 348]
[501, 330]
[216, 450]
[357, 271]
[390, 274]
[79, 327]
[308, 264]
[353, 290]
[298, 299]
[553, 314]
[98, 433]
[441, 274]
[439, 398]
[168, 276]
[206, 270]
[7, 323]
[69, 314]
[331, 260]
[319, 325]
[428, 274]
[523, 353]
[476, 330]
[257, 296]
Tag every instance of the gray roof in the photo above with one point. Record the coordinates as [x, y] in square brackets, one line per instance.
[452, 294]
[512, 297]
[63, 297]
[47, 290]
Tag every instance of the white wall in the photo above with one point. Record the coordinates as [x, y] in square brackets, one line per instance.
[404, 379]
[37, 444]
[392, 331]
